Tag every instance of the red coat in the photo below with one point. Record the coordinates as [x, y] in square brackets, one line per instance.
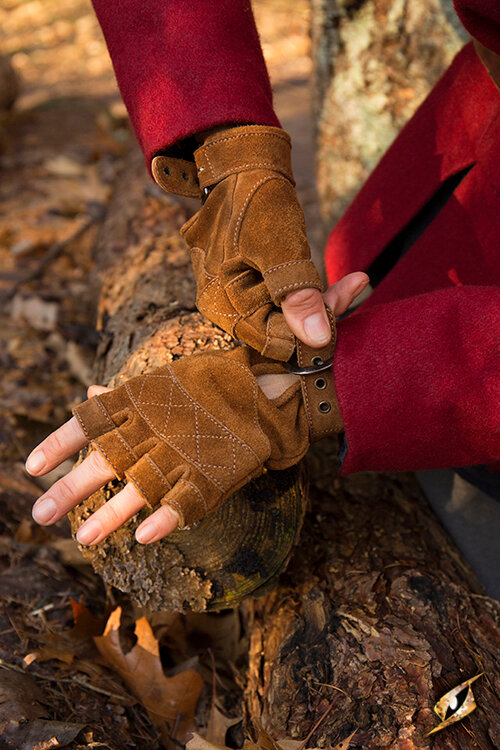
[417, 369]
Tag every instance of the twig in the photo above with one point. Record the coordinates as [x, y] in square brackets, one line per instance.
[14, 667]
[320, 721]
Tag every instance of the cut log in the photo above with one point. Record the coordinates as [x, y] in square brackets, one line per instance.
[146, 317]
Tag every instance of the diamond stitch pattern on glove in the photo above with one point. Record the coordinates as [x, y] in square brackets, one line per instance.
[190, 434]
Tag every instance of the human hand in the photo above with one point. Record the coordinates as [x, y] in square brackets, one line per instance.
[95, 471]
[248, 241]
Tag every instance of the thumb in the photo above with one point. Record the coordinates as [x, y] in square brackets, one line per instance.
[306, 317]
[340, 295]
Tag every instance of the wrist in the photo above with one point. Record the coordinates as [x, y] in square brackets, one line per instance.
[274, 385]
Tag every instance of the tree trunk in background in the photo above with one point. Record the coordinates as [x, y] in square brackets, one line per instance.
[374, 62]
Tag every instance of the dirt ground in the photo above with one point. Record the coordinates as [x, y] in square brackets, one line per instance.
[60, 149]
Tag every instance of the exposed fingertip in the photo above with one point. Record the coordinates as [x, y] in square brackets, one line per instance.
[146, 533]
[44, 511]
[35, 462]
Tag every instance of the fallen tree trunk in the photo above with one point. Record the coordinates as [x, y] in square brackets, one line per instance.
[376, 612]
[146, 316]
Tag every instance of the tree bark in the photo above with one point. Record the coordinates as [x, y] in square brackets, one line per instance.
[378, 613]
[146, 316]
[374, 62]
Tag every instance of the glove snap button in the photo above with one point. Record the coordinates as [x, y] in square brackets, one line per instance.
[324, 407]
[320, 383]
[317, 361]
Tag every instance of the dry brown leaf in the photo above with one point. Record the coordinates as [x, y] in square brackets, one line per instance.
[65, 646]
[218, 725]
[38, 734]
[167, 699]
[344, 744]
[197, 742]
[20, 697]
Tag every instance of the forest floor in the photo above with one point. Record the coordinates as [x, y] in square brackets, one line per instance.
[60, 150]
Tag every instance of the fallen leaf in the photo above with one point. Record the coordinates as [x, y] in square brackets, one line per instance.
[167, 699]
[218, 725]
[20, 697]
[200, 743]
[344, 744]
[68, 644]
[455, 705]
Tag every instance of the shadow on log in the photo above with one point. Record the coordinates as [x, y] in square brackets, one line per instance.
[146, 317]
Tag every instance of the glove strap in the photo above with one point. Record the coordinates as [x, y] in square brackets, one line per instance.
[226, 152]
[177, 176]
[318, 390]
[241, 149]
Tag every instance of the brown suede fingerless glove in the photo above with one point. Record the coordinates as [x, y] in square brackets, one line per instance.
[248, 241]
[191, 433]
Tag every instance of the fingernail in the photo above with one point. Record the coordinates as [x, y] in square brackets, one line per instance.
[35, 463]
[89, 532]
[360, 287]
[44, 510]
[146, 533]
[317, 329]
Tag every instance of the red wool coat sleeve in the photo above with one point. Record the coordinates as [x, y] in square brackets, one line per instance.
[481, 18]
[418, 381]
[184, 66]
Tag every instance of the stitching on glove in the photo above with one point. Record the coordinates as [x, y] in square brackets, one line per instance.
[219, 289]
[141, 489]
[248, 198]
[282, 135]
[175, 505]
[96, 444]
[288, 263]
[197, 491]
[270, 335]
[79, 420]
[126, 443]
[105, 412]
[302, 284]
[252, 165]
[158, 471]
[221, 428]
